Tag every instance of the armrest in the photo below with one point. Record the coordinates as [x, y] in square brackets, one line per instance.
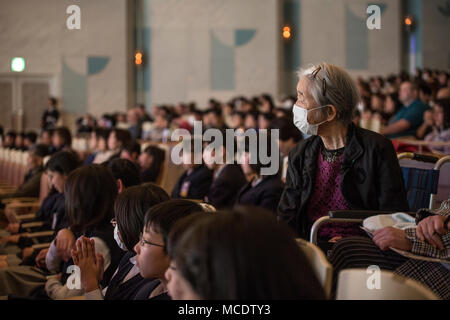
[41, 246]
[40, 234]
[25, 217]
[75, 298]
[359, 214]
[20, 199]
[17, 205]
[34, 224]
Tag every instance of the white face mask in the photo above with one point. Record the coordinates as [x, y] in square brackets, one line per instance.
[117, 238]
[301, 120]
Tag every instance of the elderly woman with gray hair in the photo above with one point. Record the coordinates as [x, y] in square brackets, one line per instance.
[341, 166]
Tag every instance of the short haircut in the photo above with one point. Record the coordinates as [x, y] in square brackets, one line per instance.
[90, 192]
[65, 135]
[32, 136]
[63, 162]
[162, 217]
[130, 208]
[53, 101]
[224, 256]
[122, 135]
[39, 150]
[132, 147]
[125, 170]
[332, 85]
[11, 133]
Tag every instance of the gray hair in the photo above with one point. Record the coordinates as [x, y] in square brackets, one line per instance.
[339, 88]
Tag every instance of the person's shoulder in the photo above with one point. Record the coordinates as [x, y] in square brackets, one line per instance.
[299, 148]
[368, 138]
[202, 172]
[273, 181]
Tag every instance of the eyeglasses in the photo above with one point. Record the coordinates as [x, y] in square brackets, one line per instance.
[143, 242]
[313, 75]
[113, 222]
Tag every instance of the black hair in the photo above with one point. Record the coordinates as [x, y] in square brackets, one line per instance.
[90, 192]
[102, 133]
[269, 99]
[32, 136]
[394, 96]
[39, 150]
[162, 217]
[286, 128]
[425, 88]
[53, 101]
[125, 170]
[130, 208]
[123, 136]
[445, 105]
[65, 135]
[269, 116]
[12, 134]
[224, 256]
[132, 147]
[63, 162]
[267, 138]
[158, 155]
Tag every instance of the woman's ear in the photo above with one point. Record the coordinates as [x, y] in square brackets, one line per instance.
[332, 112]
[120, 186]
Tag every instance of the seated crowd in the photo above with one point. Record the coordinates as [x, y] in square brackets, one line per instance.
[226, 230]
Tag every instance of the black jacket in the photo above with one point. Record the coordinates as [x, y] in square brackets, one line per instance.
[197, 183]
[226, 186]
[265, 194]
[118, 290]
[371, 178]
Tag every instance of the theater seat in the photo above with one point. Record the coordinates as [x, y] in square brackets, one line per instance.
[321, 267]
[359, 284]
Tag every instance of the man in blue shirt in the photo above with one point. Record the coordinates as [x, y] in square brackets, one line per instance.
[410, 116]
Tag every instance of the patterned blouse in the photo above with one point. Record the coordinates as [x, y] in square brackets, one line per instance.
[327, 196]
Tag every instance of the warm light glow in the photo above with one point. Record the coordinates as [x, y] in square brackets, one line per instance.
[286, 32]
[138, 58]
[408, 21]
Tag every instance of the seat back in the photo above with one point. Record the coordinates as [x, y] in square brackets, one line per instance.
[362, 284]
[321, 267]
[420, 184]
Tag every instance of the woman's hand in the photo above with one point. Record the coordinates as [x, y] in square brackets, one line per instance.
[335, 239]
[430, 229]
[40, 259]
[65, 242]
[90, 264]
[391, 237]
